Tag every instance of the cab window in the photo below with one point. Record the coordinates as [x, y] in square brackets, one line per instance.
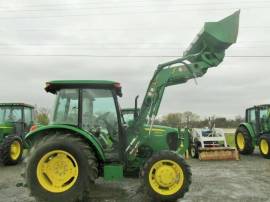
[66, 110]
[28, 118]
[99, 116]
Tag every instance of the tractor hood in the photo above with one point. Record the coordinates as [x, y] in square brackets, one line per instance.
[158, 129]
[5, 129]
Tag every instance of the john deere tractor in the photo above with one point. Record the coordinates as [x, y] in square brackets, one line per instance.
[255, 131]
[67, 156]
[15, 121]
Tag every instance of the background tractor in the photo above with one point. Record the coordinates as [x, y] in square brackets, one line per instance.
[67, 156]
[16, 119]
[255, 131]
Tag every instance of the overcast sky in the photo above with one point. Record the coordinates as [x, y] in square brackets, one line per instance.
[32, 29]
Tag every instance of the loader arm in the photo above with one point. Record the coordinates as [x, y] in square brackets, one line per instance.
[207, 50]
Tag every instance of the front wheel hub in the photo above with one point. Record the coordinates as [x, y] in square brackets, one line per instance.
[264, 146]
[166, 177]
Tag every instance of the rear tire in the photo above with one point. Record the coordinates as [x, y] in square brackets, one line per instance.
[193, 151]
[243, 141]
[264, 146]
[45, 169]
[157, 177]
[12, 150]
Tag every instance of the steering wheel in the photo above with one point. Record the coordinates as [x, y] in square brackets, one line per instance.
[109, 126]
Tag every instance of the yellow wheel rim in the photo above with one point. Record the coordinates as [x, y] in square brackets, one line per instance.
[15, 150]
[264, 146]
[166, 177]
[57, 171]
[240, 140]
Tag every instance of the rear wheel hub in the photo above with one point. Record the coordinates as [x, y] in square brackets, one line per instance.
[57, 171]
[240, 141]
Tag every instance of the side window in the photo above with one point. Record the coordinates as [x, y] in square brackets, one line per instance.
[264, 119]
[99, 111]
[252, 116]
[15, 115]
[7, 115]
[67, 107]
[28, 116]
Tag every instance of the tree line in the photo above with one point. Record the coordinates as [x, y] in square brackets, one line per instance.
[177, 120]
[192, 120]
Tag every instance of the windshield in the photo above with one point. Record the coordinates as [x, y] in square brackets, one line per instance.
[10, 114]
[66, 109]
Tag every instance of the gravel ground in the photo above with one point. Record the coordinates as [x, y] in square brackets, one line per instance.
[244, 180]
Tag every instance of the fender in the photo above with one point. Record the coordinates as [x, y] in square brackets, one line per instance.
[251, 132]
[91, 139]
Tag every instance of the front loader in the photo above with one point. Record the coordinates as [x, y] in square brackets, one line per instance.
[255, 131]
[67, 156]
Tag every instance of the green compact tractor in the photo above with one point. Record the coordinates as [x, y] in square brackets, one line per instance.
[16, 119]
[67, 156]
[255, 131]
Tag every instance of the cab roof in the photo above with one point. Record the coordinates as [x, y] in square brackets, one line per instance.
[17, 104]
[259, 106]
[54, 86]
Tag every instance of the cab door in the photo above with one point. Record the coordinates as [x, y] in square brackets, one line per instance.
[100, 117]
[28, 119]
[251, 118]
[264, 119]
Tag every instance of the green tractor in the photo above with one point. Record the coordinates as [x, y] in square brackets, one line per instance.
[16, 119]
[67, 156]
[255, 131]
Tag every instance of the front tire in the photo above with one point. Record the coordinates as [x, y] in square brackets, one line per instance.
[61, 168]
[243, 141]
[12, 150]
[264, 146]
[194, 150]
[166, 176]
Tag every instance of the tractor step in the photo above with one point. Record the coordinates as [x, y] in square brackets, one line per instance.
[218, 153]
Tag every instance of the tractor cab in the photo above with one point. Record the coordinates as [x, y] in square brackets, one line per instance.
[16, 119]
[259, 118]
[92, 106]
[17, 116]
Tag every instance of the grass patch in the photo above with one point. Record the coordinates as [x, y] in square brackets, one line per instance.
[230, 139]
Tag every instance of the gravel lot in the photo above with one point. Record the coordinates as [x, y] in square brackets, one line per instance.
[244, 180]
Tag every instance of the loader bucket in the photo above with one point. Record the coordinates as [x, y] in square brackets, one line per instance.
[219, 153]
[214, 38]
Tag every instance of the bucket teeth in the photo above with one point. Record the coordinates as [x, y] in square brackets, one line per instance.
[223, 153]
